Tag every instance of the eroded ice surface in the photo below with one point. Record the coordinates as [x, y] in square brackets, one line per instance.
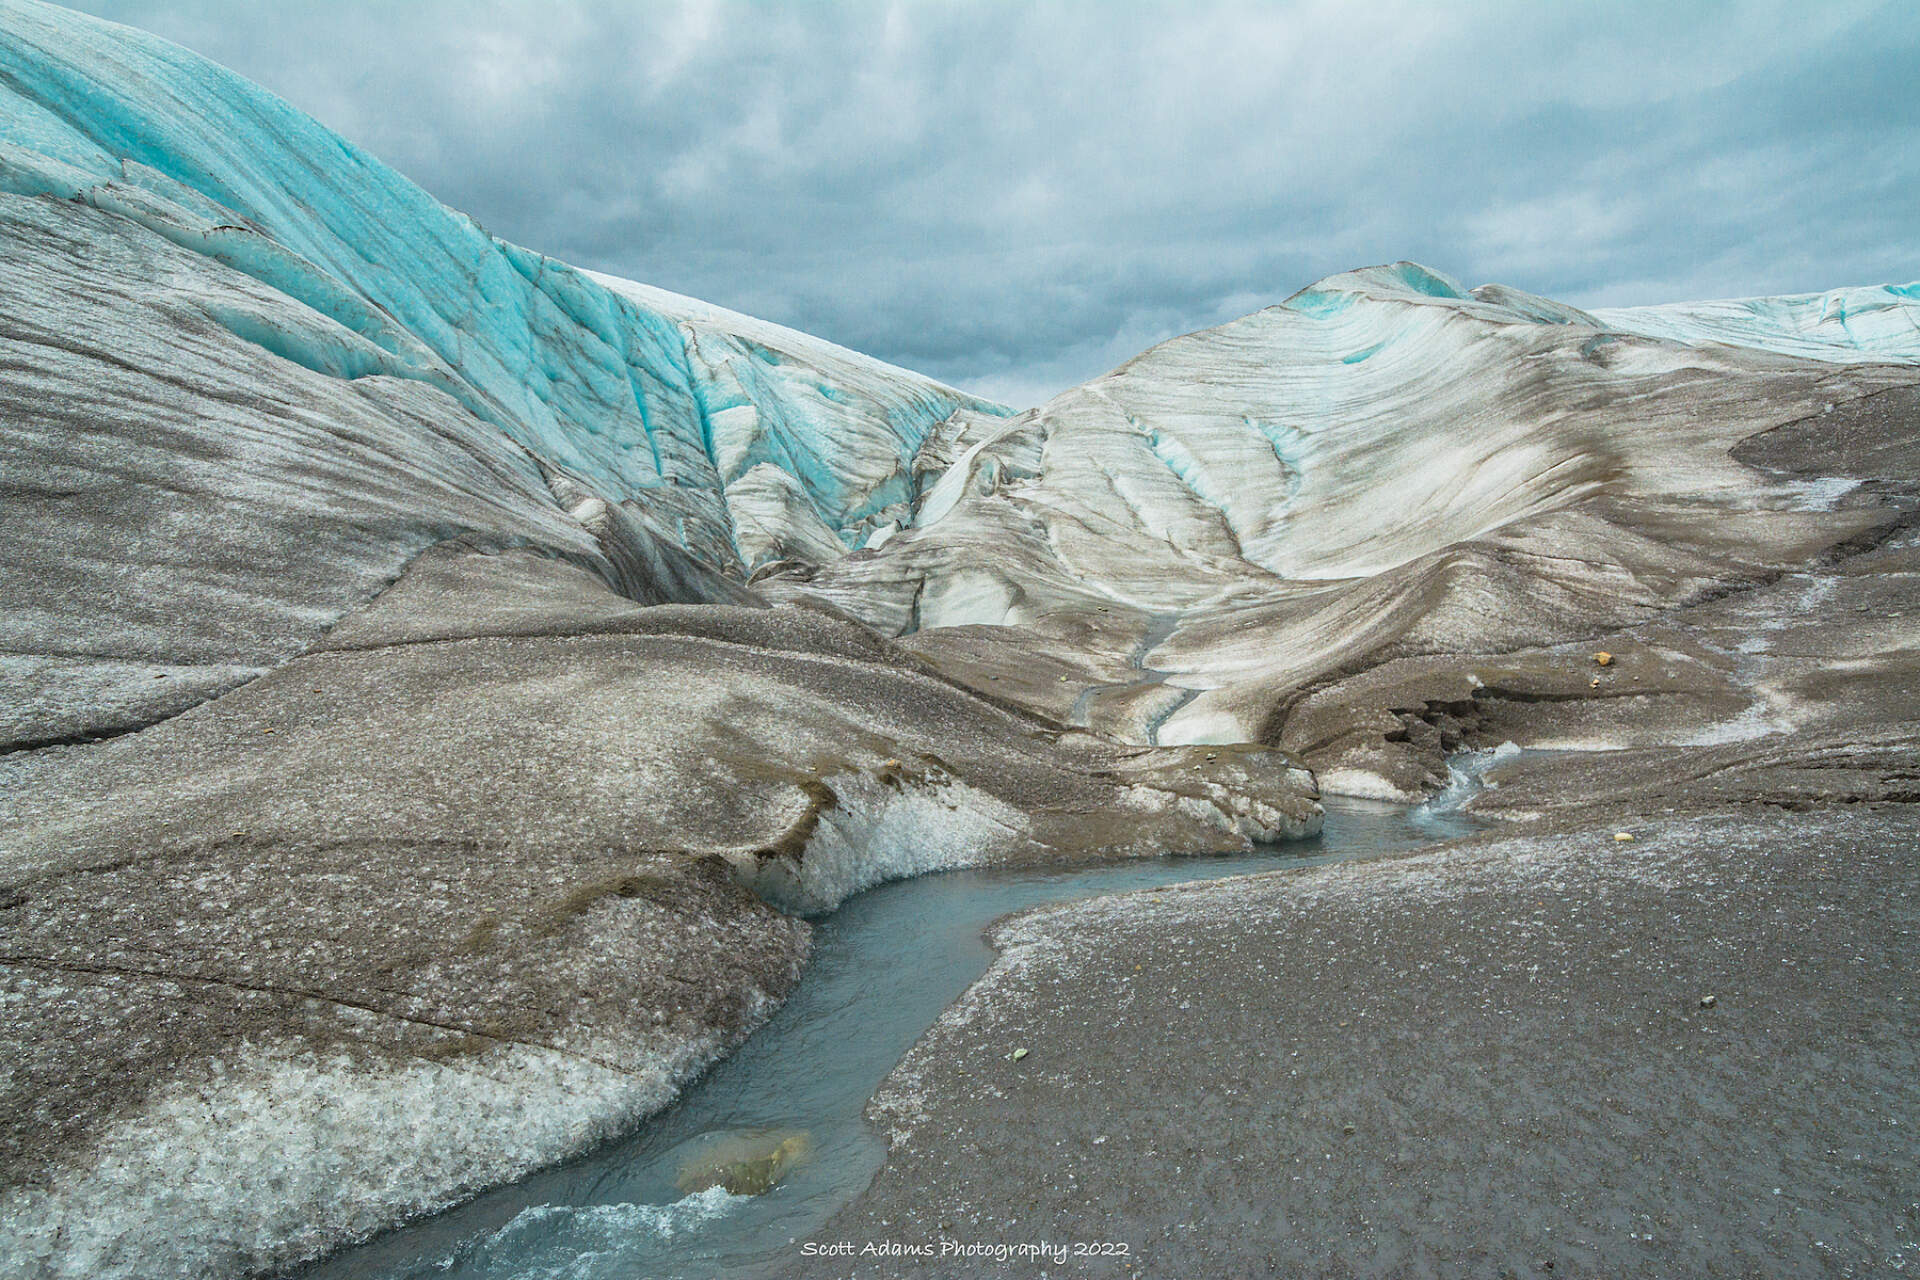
[1387, 457]
[253, 371]
[1869, 323]
[251, 377]
[636, 393]
[884, 967]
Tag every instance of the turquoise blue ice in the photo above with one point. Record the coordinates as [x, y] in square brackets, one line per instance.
[634, 391]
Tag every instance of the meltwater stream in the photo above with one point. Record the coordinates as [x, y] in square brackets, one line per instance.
[884, 966]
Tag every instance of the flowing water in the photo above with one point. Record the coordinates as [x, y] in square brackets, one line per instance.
[884, 965]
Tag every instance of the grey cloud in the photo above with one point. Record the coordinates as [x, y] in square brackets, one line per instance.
[1015, 197]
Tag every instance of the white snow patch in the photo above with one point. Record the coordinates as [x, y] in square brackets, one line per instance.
[1580, 744]
[980, 595]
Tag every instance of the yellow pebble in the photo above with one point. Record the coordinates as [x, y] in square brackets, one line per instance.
[1604, 658]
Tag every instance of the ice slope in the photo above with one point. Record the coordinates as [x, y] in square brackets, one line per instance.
[603, 381]
[1870, 323]
[274, 417]
[801, 426]
[449, 898]
[349, 525]
[250, 371]
[1386, 458]
[1388, 412]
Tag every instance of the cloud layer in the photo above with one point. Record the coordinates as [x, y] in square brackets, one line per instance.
[1017, 197]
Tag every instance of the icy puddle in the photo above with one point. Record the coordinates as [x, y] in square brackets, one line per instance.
[786, 1109]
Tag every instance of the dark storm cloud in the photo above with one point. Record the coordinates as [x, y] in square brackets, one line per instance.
[1016, 197]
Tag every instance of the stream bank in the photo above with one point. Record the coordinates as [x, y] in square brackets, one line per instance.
[884, 966]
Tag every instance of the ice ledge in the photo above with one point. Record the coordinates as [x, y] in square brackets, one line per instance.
[278, 1156]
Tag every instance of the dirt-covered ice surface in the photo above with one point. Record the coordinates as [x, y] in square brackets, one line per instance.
[1695, 1053]
[1661, 1023]
[436, 681]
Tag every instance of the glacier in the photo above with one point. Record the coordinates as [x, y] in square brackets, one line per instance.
[235, 224]
[1269, 484]
[439, 680]
[1875, 323]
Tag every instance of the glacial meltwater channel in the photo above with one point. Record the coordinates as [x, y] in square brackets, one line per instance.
[884, 966]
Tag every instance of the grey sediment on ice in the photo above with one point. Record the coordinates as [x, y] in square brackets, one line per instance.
[1530, 1055]
[501, 871]
[438, 682]
[1544, 1050]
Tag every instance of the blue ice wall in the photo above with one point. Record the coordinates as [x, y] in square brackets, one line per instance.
[583, 376]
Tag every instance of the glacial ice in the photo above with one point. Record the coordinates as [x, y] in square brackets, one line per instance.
[262, 1165]
[629, 388]
[1381, 422]
[289, 317]
[261, 374]
[753, 443]
[1857, 325]
[1319, 466]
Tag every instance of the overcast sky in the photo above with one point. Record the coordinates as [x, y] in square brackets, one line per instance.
[1017, 197]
